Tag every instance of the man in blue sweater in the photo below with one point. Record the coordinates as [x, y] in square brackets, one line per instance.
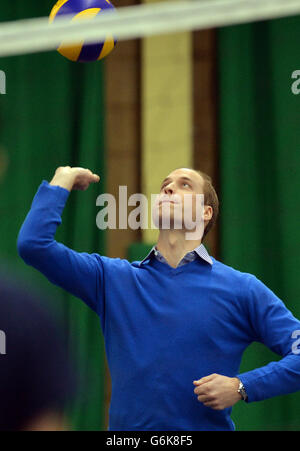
[175, 324]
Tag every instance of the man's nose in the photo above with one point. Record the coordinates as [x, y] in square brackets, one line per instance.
[169, 189]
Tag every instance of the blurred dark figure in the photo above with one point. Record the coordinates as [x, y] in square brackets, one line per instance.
[35, 377]
[35, 373]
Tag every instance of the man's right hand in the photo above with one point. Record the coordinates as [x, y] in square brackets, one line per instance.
[74, 178]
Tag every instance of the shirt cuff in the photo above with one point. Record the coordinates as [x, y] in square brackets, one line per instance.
[253, 386]
[48, 196]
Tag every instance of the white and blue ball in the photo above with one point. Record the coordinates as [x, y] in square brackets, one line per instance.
[83, 10]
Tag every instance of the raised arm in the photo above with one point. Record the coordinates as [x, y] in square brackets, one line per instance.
[80, 274]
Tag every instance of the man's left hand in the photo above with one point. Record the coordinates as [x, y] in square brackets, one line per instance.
[217, 392]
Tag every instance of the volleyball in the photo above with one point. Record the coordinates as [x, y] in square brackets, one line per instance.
[83, 10]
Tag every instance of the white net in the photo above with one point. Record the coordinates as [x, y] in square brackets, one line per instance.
[37, 35]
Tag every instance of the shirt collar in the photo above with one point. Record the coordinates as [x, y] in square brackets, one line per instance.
[200, 251]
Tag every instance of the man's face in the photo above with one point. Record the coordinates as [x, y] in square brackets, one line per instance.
[179, 201]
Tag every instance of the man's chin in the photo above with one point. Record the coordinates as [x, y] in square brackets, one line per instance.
[169, 223]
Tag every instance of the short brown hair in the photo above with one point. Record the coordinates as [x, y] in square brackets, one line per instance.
[210, 198]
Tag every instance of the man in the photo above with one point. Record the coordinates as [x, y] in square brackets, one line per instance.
[177, 323]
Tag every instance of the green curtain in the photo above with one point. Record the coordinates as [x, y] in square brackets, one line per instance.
[259, 120]
[53, 115]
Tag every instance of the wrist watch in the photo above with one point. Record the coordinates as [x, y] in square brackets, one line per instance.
[242, 391]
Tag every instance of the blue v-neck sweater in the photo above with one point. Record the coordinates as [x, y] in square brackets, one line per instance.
[165, 327]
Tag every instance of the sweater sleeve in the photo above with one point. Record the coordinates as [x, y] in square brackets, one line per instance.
[276, 327]
[81, 274]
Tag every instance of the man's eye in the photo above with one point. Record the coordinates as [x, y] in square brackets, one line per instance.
[187, 184]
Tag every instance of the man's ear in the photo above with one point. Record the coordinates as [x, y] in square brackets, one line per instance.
[208, 212]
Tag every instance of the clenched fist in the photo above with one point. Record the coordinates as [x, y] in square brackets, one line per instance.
[74, 178]
[217, 392]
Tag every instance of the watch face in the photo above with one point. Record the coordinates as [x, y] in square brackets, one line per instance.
[242, 391]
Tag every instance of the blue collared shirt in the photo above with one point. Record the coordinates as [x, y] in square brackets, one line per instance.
[199, 251]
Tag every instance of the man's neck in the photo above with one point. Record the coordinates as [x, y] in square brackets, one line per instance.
[173, 245]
